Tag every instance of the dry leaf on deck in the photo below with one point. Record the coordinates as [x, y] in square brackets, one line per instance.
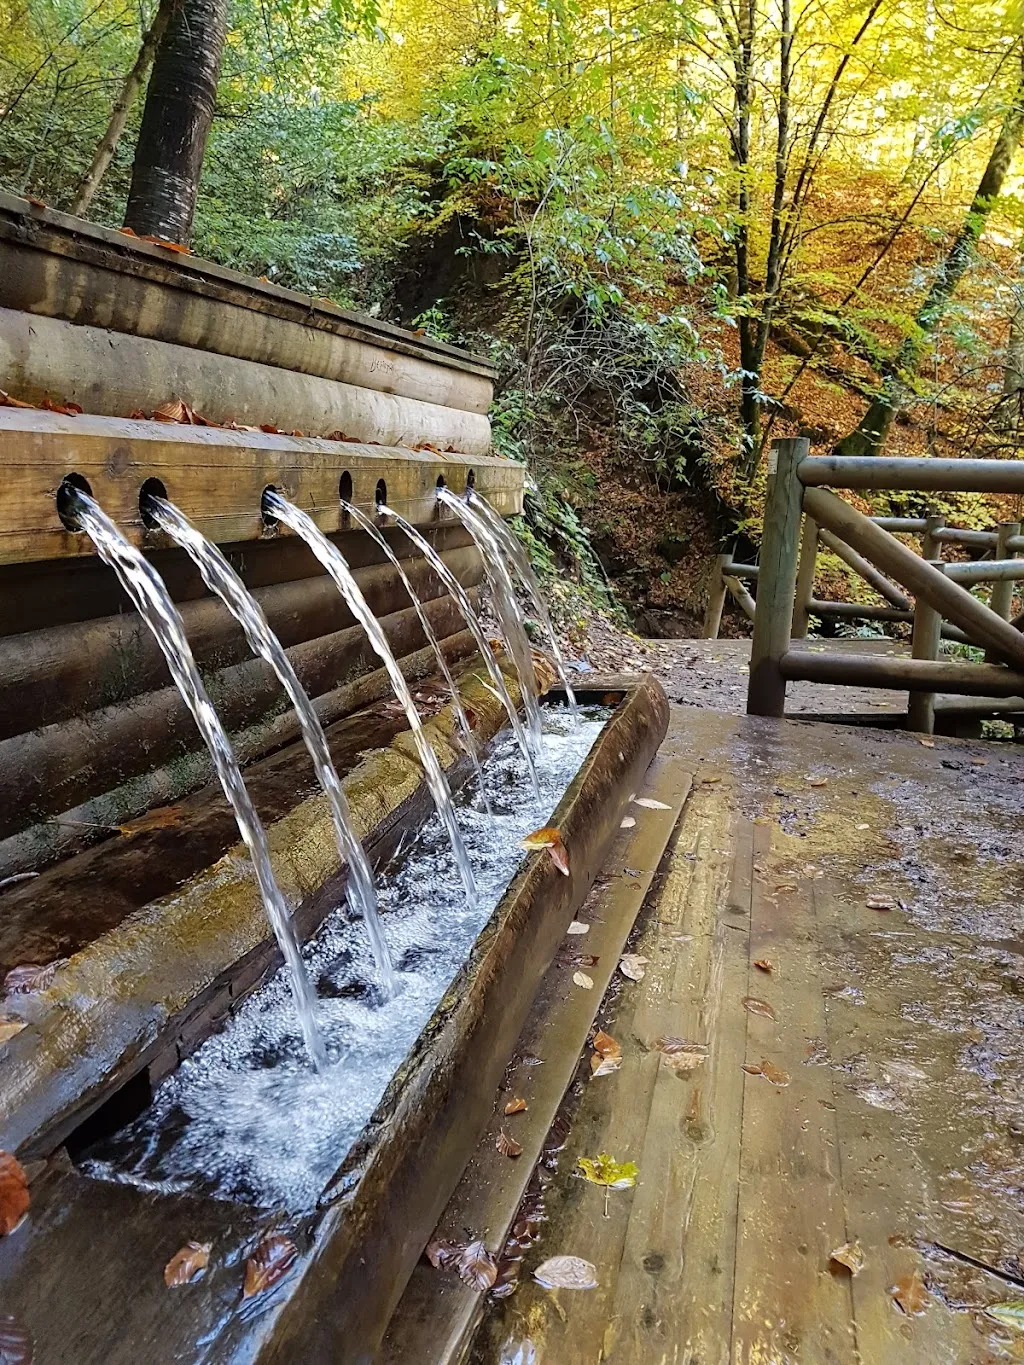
[578, 927]
[604, 1066]
[649, 803]
[14, 1197]
[680, 1054]
[187, 1264]
[566, 1272]
[763, 964]
[516, 1106]
[582, 979]
[787, 886]
[163, 817]
[551, 839]
[606, 1045]
[269, 1263]
[850, 1255]
[477, 1267]
[627, 822]
[928, 743]
[755, 1006]
[880, 903]
[508, 1146]
[441, 1252]
[16, 1344]
[605, 1170]
[6, 401]
[817, 781]
[632, 965]
[909, 1294]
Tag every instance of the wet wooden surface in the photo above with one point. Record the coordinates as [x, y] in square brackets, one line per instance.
[890, 1112]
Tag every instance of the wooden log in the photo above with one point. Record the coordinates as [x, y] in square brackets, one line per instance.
[53, 674]
[805, 578]
[716, 600]
[954, 602]
[931, 547]
[853, 611]
[873, 670]
[742, 598]
[925, 645]
[48, 771]
[1002, 572]
[912, 475]
[733, 570]
[766, 690]
[909, 525]
[867, 571]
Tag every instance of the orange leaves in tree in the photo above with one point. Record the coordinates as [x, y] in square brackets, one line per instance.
[269, 1263]
[187, 1264]
[551, 839]
[14, 1197]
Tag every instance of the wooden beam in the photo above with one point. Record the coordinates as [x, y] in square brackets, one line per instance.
[742, 598]
[925, 645]
[1001, 572]
[805, 578]
[867, 571]
[952, 601]
[912, 475]
[716, 600]
[873, 670]
[1001, 599]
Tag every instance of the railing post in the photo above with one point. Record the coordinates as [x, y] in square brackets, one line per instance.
[776, 584]
[926, 643]
[1001, 600]
[716, 600]
[931, 549]
[805, 578]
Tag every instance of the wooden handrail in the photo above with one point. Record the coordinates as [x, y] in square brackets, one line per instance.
[910, 475]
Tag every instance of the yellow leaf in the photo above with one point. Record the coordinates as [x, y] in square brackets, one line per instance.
[605, 1170]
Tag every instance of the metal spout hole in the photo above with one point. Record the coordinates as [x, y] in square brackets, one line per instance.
[66, 500]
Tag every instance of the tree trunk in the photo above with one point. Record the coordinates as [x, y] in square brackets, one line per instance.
[743, 61]
[874, 426]
[176, 121]
[107, 146]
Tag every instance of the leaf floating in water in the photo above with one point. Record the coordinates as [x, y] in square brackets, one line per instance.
[164, 817]
[477, 1267]
[516, 1106]
[14, 1197]
[649, 803]
[763, 964]
[1009, 1314]
[16, 1344]
[755, 1006]
[627, 822]
[582, 979]
[443, 1253]
[566, 1272]
[605, 1170]
[850, 1255]
[32, 978]
[578, 927]
[632, 965]
[187, 1264]
[508, 1146]
[269, 1263]
[910, 1295]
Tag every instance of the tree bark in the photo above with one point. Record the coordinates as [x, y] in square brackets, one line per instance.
[107, 145]
[176, 122]
[874, 426]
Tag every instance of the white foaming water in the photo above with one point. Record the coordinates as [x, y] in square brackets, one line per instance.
[244, 1117]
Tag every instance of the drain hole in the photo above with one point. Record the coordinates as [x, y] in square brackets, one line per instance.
[380, 495]
[66, 499]
[268, 517]
[152, 488]
[345, 487]
[441, 482]
[470, 479]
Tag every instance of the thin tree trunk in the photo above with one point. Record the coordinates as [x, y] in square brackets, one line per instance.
[176, 122]
[107, 145]
[743, 60]
[874, 426]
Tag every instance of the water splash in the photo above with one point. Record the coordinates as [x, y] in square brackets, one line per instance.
[469, 740]
[146, 589]
[521, 563]
[461, 598]
[334, 562]
[505, 605]
[220, 578]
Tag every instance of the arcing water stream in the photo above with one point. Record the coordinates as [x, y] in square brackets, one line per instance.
[146, 589]
[220, 577]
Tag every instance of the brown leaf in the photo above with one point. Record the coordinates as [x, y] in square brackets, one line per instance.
[14, 1197]
[850, 1255]
[605, 1045]
[681, 1055]
[755, 1006]
[909, 1294]
[558, 855]
[927, 743]
[6, 401]
[32, 977]
[187, 1264]
[516, 1106]
[442, 1252]
[174, 410]
[269, 1263]
[566, 1272]
[64, 409]
[508, 1146]
[551, 839]
[16, 1344]
[477, 1267]
[774, 1073]
[163, 817]
[604, 1066]
[763, 964]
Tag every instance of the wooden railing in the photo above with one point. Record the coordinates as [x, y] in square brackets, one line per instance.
[800, 512]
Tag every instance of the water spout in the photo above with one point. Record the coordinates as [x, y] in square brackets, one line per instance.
[520, 561]
[146, 589]
[334, 562]
[220, 578]
[468, 737]
[465, 606]
[505, 605]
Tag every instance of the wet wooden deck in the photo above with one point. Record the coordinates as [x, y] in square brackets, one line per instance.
[891, 1115]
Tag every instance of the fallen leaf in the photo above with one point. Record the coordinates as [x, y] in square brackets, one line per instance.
[63, 409]
[16, 1344]
[1009, 1314]
[604, 1044]
[163, 817]
[863, 826]
[174, 410]
[582, 979]
[6, 401]
[508, 1146]
[632, 965]
[774, 1073]
[627, 822]
[32, 978]
[880, 903]
[541, 838]
[605, 1170]
[755, 1006]
[817, 781]
[269, 1263]
[442, 1252]
[529, 1059]
[927, 743]
[604, 1066]
[14, 1197]
[909, 1294]
[850, 1255]
[578, 927]
[787, 886]
[649, 803]
[711, 778]
[477, 1267]
[680, 1054]
[187, 1264]
[516, 1106]
[763, 964]
[566, 1272]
